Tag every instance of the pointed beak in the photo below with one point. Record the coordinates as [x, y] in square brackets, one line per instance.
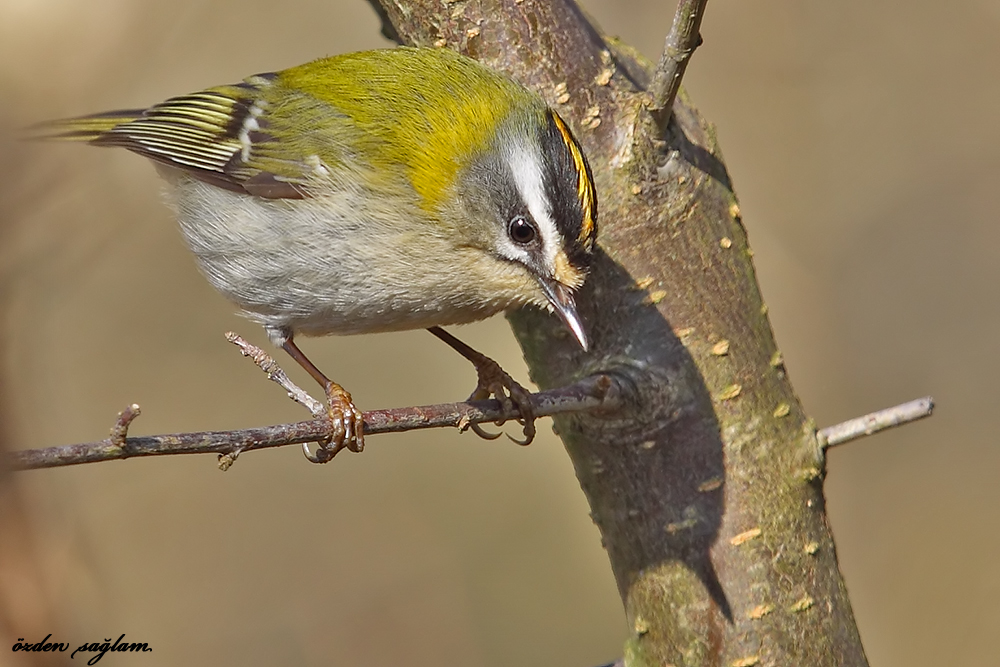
[561, 299]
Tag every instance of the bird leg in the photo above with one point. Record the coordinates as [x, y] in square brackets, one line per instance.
[345, 419]
[493, 381]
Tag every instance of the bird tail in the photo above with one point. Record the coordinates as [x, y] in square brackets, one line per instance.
[83, 128]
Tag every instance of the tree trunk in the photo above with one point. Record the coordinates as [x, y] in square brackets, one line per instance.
[708, 489]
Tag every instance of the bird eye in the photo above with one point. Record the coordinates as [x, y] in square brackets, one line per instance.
[521, 231]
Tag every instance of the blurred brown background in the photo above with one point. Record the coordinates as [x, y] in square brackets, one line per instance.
[863, 141]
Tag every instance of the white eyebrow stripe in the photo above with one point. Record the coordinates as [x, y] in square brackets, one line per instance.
[527, 171]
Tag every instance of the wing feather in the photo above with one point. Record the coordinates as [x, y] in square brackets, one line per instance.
[218, 135]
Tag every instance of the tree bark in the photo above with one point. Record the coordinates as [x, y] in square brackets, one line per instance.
[708, 487]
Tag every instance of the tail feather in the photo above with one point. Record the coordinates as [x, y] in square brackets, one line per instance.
[83, 128]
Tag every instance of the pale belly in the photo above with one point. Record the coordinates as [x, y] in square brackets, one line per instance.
[319, 268]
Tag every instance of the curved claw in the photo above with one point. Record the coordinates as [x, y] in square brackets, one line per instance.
[510, 394]
[524, 443]
[484, 434]
[322, 455]
[529, 433]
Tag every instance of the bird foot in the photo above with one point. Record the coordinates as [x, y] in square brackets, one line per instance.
[495, 382]
[346, 424]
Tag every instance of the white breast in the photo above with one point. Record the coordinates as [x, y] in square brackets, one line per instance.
[330, 265]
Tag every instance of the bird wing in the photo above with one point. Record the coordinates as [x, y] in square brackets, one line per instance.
[225, 136]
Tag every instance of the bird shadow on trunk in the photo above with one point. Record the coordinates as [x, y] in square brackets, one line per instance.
[658, 462]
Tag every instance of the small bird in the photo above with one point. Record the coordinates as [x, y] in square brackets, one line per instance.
[374, 191]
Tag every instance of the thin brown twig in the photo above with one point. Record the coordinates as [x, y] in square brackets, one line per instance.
[595, 392]
[852, 429]
[683, 38]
